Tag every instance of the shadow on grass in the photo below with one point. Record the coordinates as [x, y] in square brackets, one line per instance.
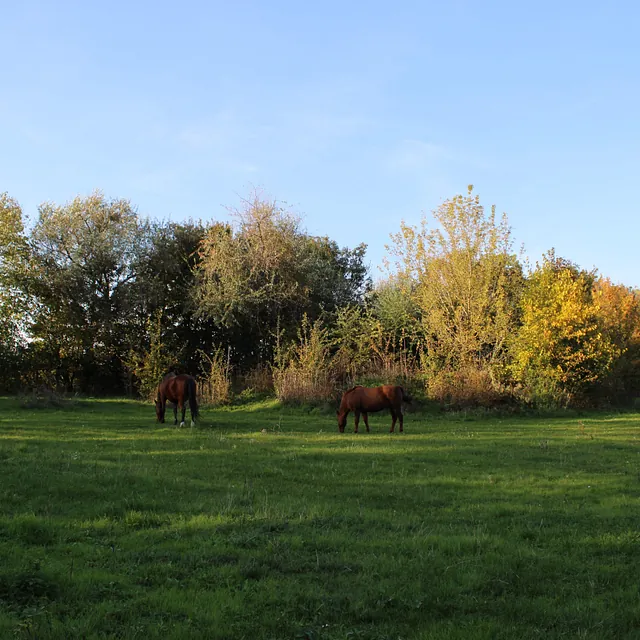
[341, 575]
[113, 526]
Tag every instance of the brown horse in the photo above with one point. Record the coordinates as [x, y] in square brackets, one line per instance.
[363, 400]
[179, 390]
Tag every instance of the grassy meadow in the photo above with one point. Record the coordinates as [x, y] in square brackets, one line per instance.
[265, 522]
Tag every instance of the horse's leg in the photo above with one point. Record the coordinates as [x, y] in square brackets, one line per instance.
[401, 420]
[356, 413]
[192, 402]
[163, 404]
[183, 408]
[175, 414]
[366, 420]
[393, 421]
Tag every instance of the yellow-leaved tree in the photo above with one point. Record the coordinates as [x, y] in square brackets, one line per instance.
[619, 317]
[562, 350]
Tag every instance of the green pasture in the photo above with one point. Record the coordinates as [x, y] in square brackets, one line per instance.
[265, 522]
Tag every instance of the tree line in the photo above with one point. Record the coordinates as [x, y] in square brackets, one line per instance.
[96, 299]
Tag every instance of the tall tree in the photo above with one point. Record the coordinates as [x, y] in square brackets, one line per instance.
[163, 289]
[262, 274]
[14, 305]
[465, 280]
[618, 313]
[84, 256]
[332, 276]
[562, 349]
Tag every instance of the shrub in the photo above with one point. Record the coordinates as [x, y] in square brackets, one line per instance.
[543, 394]
[215, 381]
[305, 373]
[44, 398]
[259, 379]
[464, 388]
[300, 386]
[151, 365]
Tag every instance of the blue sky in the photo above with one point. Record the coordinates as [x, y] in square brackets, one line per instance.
[357, 114]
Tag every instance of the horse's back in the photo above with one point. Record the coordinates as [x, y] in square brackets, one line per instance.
[373, 398]
[386, 391]
[364, 399]
[176, 387]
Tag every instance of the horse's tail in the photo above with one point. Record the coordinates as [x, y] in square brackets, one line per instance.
[405, 396]
[193, 403]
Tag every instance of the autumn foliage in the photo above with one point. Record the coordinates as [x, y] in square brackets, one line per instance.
[96, 299]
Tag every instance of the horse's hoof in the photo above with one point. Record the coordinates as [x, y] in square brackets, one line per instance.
[181, 425]
[193, 424]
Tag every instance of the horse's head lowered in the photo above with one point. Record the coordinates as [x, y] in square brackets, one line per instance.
[342, 420]
[159, 409]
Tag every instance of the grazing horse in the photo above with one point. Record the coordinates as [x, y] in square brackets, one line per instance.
[179, 390]
[363, 400]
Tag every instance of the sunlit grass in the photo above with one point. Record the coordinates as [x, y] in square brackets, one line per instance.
[264, 522]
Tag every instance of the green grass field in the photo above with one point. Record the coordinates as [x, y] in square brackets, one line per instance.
[264, 522]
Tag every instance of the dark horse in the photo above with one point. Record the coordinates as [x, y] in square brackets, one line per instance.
[362, 400]
[179, 390]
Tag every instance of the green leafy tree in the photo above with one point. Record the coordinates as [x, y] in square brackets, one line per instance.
[250, 270]
[164, 284]
[393, 303]
[150, 365]
[83, 259]
[14, 304]
[465, 280]
[260, 276]
[332, 277]
[353, 339]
